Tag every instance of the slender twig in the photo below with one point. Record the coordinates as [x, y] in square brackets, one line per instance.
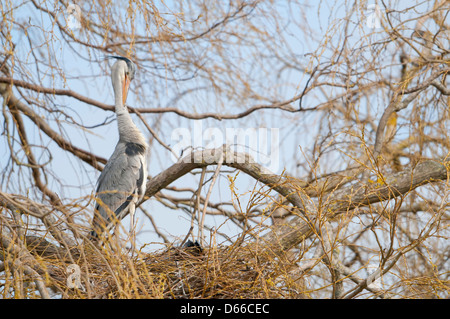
[205, 204]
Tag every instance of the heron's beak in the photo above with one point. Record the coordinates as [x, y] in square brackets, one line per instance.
[126, 85]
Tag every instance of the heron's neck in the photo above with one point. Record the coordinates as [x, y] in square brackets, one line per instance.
[128, 131]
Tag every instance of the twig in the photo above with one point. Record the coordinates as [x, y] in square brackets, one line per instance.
[205, 204]
[281, 105]
[197, 201]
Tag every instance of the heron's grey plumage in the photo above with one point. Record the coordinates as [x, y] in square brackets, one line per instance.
[122, 183]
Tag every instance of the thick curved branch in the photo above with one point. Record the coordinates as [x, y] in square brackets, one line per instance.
[15, 104]
[301, 227]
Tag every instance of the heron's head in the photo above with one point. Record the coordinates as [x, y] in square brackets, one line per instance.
[122, 73]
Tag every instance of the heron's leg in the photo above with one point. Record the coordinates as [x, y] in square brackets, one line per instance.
[132, 227]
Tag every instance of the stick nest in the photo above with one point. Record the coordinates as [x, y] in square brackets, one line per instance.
[243, 271]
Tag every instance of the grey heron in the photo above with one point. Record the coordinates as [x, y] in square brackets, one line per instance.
[121, 184]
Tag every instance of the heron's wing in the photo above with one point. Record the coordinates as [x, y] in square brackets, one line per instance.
[120, 182]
